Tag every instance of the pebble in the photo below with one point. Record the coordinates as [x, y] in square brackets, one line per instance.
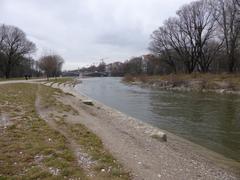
[54, 171]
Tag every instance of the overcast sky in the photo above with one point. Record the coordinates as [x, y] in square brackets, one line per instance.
[84, 31]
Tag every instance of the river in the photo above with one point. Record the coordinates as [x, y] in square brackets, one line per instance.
[208, 119]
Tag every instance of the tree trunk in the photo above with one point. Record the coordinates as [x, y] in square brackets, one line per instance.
[231, 65]
[8, 69]
[231, 62]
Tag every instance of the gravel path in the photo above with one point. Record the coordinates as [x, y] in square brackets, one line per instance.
[147, 158]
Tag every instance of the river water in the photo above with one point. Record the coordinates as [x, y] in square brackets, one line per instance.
[209, 119]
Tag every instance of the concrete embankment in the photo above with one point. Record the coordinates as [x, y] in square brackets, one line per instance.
[136, 145]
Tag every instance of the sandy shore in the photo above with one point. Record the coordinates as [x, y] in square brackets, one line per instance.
[130, 141]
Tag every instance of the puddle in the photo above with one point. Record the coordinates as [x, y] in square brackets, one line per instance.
[4, 120]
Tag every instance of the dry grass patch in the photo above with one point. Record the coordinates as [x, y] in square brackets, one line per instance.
[104, 166]
[195, 80]
[49, 98]
[30, 149]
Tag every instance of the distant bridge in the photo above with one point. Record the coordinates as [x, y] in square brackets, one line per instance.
[94, 74]
[85, 74]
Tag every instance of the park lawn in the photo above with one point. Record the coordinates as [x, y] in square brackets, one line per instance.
[31, 149]
[18, 78]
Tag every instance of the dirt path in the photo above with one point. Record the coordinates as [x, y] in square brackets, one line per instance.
[147, 158]
[48, 114]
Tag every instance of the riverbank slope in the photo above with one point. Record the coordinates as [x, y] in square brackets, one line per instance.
[130, 141]
[39, 141]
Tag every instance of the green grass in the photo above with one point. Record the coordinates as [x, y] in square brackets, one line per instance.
[31, 149]
[17, 78]
[48, 96]
[30, 137]
[93, 146]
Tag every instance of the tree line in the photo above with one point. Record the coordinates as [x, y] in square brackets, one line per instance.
[204, 36]
[147, 64]
[14, 51]
[15, 56]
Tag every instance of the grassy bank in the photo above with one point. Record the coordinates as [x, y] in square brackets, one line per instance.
[195, 81]
[32, 149]
[18, 78]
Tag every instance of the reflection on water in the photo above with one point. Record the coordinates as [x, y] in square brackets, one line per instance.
[208, 119]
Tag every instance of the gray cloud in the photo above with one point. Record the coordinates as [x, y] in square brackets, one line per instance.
[83, 31]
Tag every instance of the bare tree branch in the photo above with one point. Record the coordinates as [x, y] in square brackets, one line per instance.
[51, 65]
[14, 45]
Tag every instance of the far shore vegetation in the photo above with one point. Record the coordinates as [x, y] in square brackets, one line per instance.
[194, 81]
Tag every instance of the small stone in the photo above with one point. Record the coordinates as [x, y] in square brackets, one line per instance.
[102, 170]
[159, 175]
[88, 102]
[54, 171]
[222, 91]
[159, 136]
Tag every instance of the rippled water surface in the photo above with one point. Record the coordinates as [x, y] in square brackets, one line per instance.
[208, 119]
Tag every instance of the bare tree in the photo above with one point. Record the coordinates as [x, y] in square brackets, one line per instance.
[227, 17]
[51, 65]
[160, 47]
[101, 67]
[2, 36]
[191, 35]
[179, 42]
[238, 2]
[14, 45]
[199, 27]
